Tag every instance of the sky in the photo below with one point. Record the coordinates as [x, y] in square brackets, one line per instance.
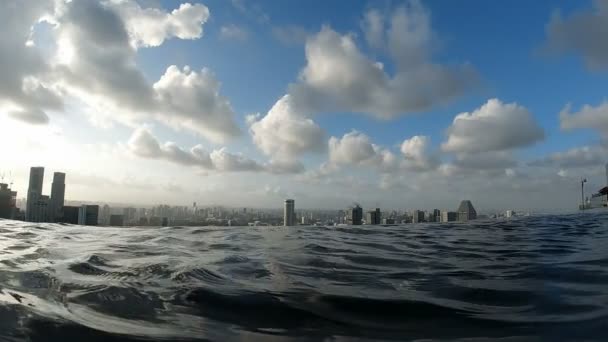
[397, 104]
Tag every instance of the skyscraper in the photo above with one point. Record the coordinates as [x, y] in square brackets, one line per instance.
[437, 215]
[417, 216]
[8, 200]
[354, 215]
[88, 215]
[34, 190]
[466, 212]
[289, 217]
[57, 196]
[373, 217]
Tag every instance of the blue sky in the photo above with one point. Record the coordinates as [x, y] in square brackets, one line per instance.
[503, 41]
[532, 54]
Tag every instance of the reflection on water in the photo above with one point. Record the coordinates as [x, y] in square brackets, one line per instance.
[536, 278]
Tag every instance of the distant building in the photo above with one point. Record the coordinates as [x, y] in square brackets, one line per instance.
[34, 191]
[8, 200]
[165, 222]
[129, 215]
[70, 215]
[388, 221]
[155, 221]
[417, 216]
[117, 220]
[354, 215]
[88, 215]
[289, 217]
[373, 217]
[57, 196]
[104, 215]
[600, 198]
[466, 211]
[449, 216]
[39, 209]
[509, 213]
[436, 215]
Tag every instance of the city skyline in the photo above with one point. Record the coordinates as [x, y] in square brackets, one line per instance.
[392, 104]
[54, 209]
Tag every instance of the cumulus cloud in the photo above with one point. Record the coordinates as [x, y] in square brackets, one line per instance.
[25, 91]
[152, 26]
[143, 143]
[583, 32]
[339, 77]
[576, 157]
[356, 148]
[192, 100]
[233, 32]
[587, 117]
[97, 45]
[417, 154]
[493, 127]
[285, 133]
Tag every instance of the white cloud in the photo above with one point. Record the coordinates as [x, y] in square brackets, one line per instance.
[339, 77]
[418, 156]
[584, 156]
[356, 148]
[191, 100]
[25, 92]
[152, 26]
[233, 32]
[285, 133]
[144, 144]
[588, 117]
[493, 127]
[353, 148]
[96, 63]
[583, 32]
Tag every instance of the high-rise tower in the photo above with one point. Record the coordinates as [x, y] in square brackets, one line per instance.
[34, 190]
[289, 217]
[57, 196]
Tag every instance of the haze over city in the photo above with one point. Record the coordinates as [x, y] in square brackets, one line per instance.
[239, 103]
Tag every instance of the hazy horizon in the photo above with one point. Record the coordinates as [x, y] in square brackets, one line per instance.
[244, 104]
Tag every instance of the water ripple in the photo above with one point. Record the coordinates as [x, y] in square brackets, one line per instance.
[536, 278]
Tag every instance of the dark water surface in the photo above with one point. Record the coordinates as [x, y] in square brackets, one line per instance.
[536, 278]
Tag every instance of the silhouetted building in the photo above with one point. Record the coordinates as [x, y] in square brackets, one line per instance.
[39, 209]
[417, 216]
[388, 221]
[155, 221]
[57, 196]
[289, 216]
[70, 215]
[104, 215]
[354, 215]
[117, 220]
[449, 216]
[34, 191]
[88, 215]
[129, 215]
[165, 222]
[373, 217]
[436, 215]
[466, 212]
[8, 200]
